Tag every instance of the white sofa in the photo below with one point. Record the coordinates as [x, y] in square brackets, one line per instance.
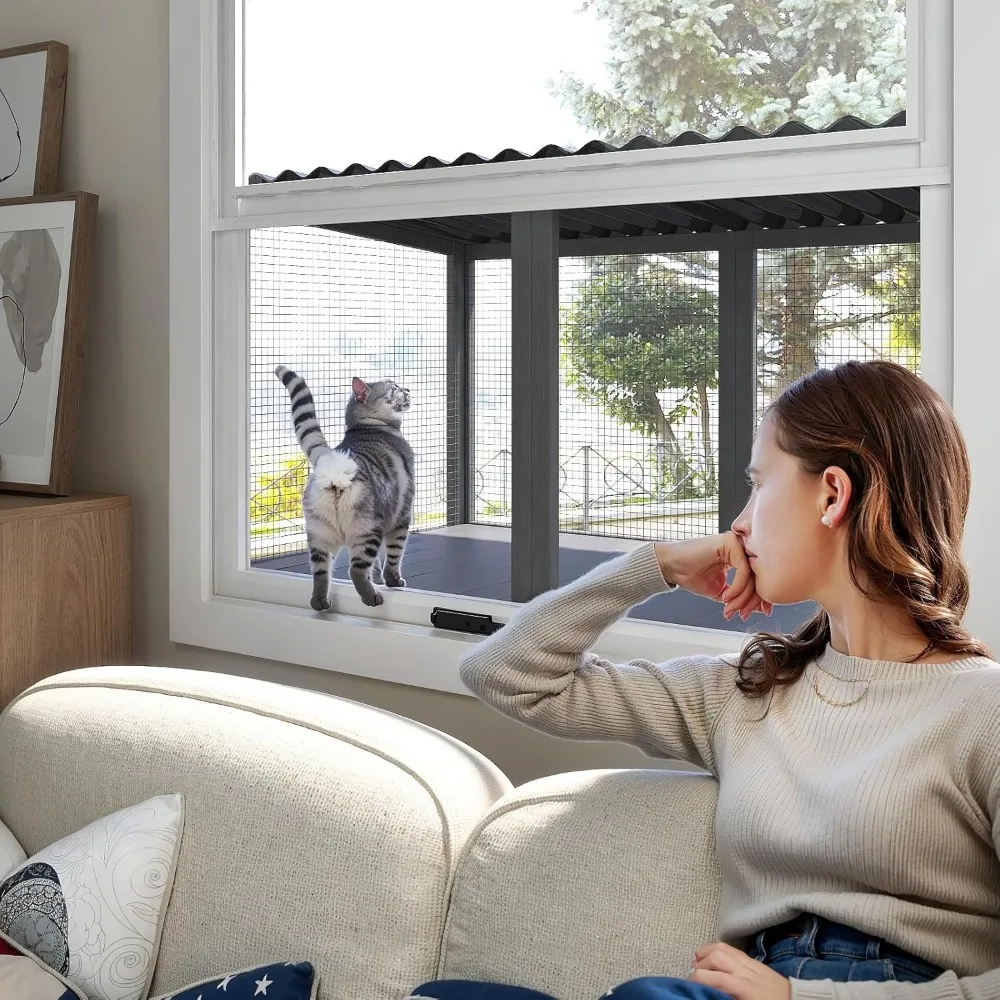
[382, 851]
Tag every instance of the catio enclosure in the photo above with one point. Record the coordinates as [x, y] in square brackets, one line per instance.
[581, 379]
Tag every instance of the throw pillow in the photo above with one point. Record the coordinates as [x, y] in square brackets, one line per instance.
[91, 905]
[289, 981]
[11, 852]
[24, 977]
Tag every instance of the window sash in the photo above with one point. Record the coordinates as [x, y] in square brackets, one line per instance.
[538, 180]
[538, 527]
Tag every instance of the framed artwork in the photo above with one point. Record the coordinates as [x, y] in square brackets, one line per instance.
[46, 245]
[32, 93]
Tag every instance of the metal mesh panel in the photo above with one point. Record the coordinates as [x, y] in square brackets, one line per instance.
[491, 388]
[332, 306]
[820, 306]
[639, 428]
[639, 419]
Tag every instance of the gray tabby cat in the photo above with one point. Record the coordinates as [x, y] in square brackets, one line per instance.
[359, 494]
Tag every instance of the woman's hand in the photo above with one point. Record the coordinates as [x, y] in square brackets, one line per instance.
[700, 566]
[736, 973]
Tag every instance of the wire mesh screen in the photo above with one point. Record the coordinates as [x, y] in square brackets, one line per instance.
[491, 388]
[820, 306]
[331, 306]
[638, 418]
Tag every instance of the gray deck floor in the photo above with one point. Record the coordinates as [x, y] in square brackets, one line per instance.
[477, 567]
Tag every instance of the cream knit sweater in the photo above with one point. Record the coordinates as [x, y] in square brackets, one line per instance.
[883, 814]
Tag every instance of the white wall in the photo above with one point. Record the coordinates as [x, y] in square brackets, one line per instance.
[115, 144]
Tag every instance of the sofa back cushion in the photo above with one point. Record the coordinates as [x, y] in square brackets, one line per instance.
[575, 883]
[315, 828]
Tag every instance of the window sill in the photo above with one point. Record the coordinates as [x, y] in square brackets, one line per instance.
[385, 650]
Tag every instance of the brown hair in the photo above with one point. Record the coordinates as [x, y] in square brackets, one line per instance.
[898, 441]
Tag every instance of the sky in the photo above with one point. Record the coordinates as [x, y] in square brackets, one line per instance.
[332, 82]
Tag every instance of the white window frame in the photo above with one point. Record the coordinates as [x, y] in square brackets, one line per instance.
[215, 601]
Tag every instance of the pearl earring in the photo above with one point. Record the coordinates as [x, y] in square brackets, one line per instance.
[826, 520]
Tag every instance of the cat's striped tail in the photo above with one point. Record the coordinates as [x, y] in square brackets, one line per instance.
[307, 428]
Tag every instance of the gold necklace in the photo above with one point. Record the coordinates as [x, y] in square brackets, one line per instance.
[845, 680]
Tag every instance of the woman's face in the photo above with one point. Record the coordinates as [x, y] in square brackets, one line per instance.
[781, 528]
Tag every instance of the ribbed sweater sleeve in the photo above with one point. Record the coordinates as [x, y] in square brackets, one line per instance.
[538, 669]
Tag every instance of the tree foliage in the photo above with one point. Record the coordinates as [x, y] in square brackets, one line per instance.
[708, 65]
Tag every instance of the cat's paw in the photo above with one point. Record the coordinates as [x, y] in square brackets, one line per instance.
[321, 603]
[373, 600]
[394, 581]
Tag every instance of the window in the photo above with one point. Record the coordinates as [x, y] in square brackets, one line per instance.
[415, 269]
[399, 81]
[640, 454]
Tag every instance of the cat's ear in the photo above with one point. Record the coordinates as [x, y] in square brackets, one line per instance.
[360, 389]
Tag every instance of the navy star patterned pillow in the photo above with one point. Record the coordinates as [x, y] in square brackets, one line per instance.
[282, 981]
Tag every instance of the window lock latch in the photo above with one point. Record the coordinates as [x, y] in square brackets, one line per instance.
[464, 621]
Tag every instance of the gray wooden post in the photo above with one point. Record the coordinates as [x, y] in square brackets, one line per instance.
[737, 372]
[534, 554]
[459, 416]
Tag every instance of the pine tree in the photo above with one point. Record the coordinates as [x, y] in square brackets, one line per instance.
[708, 66]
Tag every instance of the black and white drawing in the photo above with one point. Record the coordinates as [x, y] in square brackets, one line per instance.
[36, 243]
[32, 90]
[30, 278]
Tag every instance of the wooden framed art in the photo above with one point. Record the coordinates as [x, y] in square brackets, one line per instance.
[32, 95]
[46, 245]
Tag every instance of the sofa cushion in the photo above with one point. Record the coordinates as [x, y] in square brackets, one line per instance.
[577, 882]
[91, 905]
[314, 827]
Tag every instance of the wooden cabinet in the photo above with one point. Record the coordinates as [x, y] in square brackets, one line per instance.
[65, 586]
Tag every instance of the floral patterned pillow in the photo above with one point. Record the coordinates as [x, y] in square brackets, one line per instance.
[91, 905]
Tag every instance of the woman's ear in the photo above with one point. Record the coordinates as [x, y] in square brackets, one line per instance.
[835, 495]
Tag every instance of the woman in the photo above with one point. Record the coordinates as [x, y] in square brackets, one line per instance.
[874, 730]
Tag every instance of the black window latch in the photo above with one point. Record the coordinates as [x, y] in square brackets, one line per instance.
[464, 621]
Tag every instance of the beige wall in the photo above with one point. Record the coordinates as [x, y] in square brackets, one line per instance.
[115, 144]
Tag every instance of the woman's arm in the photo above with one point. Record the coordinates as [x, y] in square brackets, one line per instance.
[537, 669]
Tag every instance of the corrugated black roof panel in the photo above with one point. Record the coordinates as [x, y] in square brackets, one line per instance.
[740, 133]
[854, 208]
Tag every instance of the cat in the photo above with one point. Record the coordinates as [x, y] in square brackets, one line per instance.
[360, 493]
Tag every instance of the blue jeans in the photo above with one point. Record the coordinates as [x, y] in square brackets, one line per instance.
[808, 947]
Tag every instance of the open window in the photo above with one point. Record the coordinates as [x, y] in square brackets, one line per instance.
[618, 408]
